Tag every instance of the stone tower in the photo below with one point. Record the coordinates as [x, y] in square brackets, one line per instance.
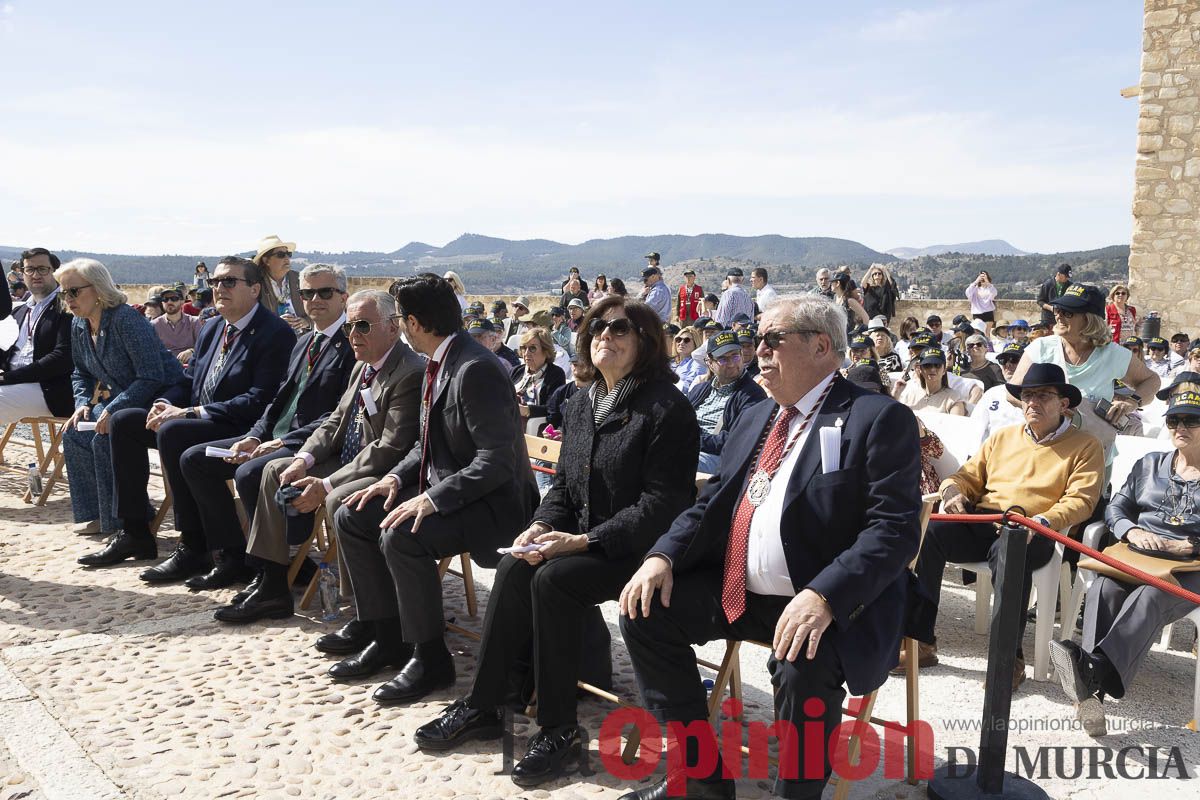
[1164, 259]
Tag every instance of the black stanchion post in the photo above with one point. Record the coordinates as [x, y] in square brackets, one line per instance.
[990, 779]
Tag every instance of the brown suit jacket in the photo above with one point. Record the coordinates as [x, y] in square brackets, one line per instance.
[390, 432]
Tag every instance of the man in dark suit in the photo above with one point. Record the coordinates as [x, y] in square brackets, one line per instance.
[239, 363]
[318, 372]
[786, 547]
[465, 485]
[35, 373]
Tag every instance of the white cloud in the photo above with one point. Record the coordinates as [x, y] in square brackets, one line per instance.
[908, 25]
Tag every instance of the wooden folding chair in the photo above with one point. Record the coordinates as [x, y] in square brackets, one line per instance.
[49, 456]
[323, 539]
[9, 429]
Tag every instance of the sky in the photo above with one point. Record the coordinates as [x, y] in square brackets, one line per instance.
[152, 127]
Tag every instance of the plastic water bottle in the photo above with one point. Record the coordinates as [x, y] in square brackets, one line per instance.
[327, 585]
[35, 481]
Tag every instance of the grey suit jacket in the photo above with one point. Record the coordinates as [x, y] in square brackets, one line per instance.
[390, 432]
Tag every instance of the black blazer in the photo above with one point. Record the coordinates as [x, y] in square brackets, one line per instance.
[52, 364]
[848, 534]
[253, 370]
[321, 394]
[625, 482]
[476, 442]
[553, 378]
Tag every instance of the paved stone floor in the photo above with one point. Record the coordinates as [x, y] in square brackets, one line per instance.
[111, 689]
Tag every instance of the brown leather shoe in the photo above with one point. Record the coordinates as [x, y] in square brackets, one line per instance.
[926, 657]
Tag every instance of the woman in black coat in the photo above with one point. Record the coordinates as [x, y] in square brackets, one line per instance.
[537, 376]
[627, 468]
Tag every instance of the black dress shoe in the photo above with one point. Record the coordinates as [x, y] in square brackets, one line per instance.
[256, 607]
[416, 680]
[182, 564]
[119, 548]
[694, 790]
[373, 658]
[547, 754]
[223, 575]
[352, 638]
[250, 589]
[458, 723]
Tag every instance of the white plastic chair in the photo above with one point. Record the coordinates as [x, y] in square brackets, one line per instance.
[960, 439]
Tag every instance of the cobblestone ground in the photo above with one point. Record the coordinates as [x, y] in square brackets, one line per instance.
[112, 689]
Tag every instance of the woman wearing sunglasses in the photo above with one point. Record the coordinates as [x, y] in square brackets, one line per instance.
[685, 367]
[119, 363]
[537, 376]
[627, 469]
[1157, 511]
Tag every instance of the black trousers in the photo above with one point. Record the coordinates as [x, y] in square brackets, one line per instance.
[660, 647]
[547, 609]
[959, 542]
[405, 582]
[206, 477]
[131, 442]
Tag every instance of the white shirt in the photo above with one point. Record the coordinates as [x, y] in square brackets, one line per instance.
[23, 355]
[766, 565]
[995, 412]
[766, 296]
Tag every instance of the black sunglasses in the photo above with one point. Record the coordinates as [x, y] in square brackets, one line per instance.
[279, 254]
[228, 282]
[171, 298]
[775, 338]
[621, 326]
[325, 293]
[360, 326]
[74, 291]
[1187, 422]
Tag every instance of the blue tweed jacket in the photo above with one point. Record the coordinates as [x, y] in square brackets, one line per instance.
[127, 357]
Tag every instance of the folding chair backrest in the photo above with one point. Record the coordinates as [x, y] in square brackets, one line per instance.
[1129, 451]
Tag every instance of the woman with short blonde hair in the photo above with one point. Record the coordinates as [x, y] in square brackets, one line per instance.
[92, 272]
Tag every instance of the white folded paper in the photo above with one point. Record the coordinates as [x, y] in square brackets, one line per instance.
[529, 548]
[368, 401]
[85, 426]
[219, 452]
[831, 449]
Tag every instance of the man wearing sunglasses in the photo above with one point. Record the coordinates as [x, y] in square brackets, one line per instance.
[35, 373]
[719, 400]
[351, 449]
[239, 362]
[176, 330]
[318, 371]
[275, 257]
[464, 486]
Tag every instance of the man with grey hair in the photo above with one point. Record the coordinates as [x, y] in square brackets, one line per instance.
[318, 370]
[734, 301]
[824, 285]
[351, 449]
[782, 543]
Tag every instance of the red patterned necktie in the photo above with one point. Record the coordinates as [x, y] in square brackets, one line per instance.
[733, 588]
[431, 373]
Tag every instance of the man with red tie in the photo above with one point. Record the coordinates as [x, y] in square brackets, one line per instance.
[689, 299]
[787, 544]
[464, 486]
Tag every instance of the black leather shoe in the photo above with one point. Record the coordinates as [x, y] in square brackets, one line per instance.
[694, 790]
[416, 680]
[119, 548]
[371, 660]
[182, 564]
[548, 753]
[458, 723]
[352, 638]
[256, 607]
[250, 589]
[223, 575]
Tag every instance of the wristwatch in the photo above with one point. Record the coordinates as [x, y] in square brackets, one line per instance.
[192, 413]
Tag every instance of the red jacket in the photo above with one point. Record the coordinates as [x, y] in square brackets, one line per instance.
[689, 306]
[1114, 321]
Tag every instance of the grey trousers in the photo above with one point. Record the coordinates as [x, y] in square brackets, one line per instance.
[1124, 620]
[404, 583]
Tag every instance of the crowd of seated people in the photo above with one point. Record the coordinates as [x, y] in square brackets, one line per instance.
[402, 415]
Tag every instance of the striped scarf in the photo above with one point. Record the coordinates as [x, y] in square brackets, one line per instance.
[604, 400]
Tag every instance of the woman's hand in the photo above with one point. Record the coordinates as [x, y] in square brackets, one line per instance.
[81, 414]
[1146, 540]
[102, 423]
[1119, 409]
[555, 544]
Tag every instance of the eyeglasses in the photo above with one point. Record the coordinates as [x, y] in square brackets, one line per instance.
[360, 326]
[1120, 294]
[621, 326]
[228, 282]
[279, 254]
[37, 270]
[1039, 397]
[171, 298]
[325, 293]
[725, 360]
[74, 291]
[529, 348]
[976, 346]
[1186, 422]
[775, 338]
[1062, 312]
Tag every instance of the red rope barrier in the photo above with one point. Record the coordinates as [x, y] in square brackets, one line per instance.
[1066, 541]
[539, 468]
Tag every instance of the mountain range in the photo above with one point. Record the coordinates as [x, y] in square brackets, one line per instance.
[988, 247]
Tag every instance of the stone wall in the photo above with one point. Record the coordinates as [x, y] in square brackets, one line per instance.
[1164, 259]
